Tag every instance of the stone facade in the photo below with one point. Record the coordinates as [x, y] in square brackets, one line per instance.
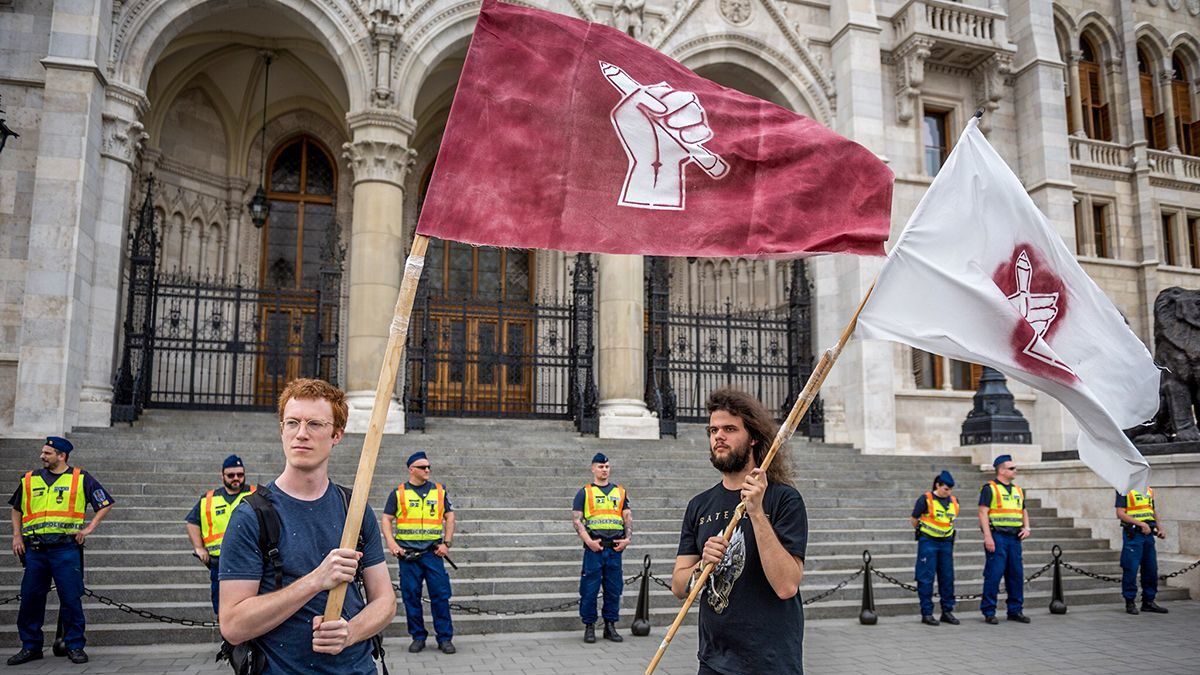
[107, 92]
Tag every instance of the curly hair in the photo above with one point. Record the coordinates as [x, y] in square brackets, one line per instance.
[307, 388]
[759, 424]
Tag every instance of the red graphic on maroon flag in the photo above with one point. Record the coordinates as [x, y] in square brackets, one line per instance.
[1039, 296]
[571, 135]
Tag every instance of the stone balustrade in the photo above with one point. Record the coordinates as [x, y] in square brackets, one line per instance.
[943, 20]
[1099, 153]
[1172, 165]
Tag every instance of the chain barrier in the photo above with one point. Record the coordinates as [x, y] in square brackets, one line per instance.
[145, 614]
[912, 588]
[151, 616]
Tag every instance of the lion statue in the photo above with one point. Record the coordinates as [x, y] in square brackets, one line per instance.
[1177, 351]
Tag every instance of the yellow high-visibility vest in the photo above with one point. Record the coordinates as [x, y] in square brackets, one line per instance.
[1140, 506]
[52, 509]
[601, 511]
[1007, 508]
[417, 518]
[214, 518]
[938, 520]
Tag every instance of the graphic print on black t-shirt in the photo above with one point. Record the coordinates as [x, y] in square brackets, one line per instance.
[722, 579]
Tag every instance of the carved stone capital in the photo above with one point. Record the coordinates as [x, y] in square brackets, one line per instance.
[989, 79]
[379, 161]
[122, 139]
[1074, 56]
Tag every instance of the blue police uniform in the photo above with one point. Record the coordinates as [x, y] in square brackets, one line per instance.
[935, 553]
[1138, 551]
[603, 568]
[53, 556]
[425, 568]
[1005, 562]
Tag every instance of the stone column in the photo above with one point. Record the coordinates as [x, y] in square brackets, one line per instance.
[66, 187]
[860, 394]
[1076, 111]
[622, 362]
[1165, 77]
[122, 140]
[380, 159]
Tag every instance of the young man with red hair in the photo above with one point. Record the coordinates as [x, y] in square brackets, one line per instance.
[285, 620]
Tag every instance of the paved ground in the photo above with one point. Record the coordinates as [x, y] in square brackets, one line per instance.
[1087, 641]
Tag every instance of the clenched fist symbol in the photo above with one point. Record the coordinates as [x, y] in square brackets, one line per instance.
[662, 130]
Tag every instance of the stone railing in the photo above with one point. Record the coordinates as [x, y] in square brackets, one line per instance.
[945, 20]
[1099, 153]
[1172, 165]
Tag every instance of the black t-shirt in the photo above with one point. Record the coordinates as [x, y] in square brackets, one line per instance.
[1122, 503]
[985, 499]
[745, 628]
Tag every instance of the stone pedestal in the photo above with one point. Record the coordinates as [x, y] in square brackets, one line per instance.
[983, 454]
[622, 362]
[380, 159]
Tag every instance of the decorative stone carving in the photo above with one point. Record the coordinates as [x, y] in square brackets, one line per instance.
[123, 139]
[379, 161]
[1177, 351]
[989, 78]
[736, 12]
[628, 17]
[910, 75]
[386, 16]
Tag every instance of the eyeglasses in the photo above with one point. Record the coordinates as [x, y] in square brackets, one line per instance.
[423, 467]
[240, 474]
[314, 427]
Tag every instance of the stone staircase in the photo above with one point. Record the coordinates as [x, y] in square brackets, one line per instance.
[157, 468]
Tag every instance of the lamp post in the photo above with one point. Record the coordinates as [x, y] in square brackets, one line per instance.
[259, 207]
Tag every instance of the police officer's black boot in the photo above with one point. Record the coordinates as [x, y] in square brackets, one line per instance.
[589, 633]
[610, 632]
[1152, 607]
[948, 617]
[77, 655]
[24, 656]
[928, 620]
[1131, 607]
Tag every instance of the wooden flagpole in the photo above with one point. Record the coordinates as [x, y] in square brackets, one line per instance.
[803, 401]
[398, 335]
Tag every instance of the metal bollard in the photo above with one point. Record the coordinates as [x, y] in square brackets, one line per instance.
[641, 619]
[1058, 603]
[867, 616]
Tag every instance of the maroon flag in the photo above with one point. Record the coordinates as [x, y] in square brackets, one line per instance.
[573, 136]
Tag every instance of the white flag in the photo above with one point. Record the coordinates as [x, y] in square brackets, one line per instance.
[980, 275]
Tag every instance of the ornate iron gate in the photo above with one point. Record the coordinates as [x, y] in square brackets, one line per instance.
[767, 353]
[203, 344]
[501, 359]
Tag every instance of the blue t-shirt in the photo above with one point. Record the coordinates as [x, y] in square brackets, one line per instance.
[604, 489]
[308, 531]
[390, 509]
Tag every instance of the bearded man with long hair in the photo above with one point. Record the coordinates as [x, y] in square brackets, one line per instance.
[751, 618]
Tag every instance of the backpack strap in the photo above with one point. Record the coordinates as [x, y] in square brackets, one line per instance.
[269, 527]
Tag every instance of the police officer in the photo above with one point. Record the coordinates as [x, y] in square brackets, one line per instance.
[1005, 524]
[422, 533]
[604, 522]
[208, 519]
[1140, 526]
[933, 516]
[48, 511]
